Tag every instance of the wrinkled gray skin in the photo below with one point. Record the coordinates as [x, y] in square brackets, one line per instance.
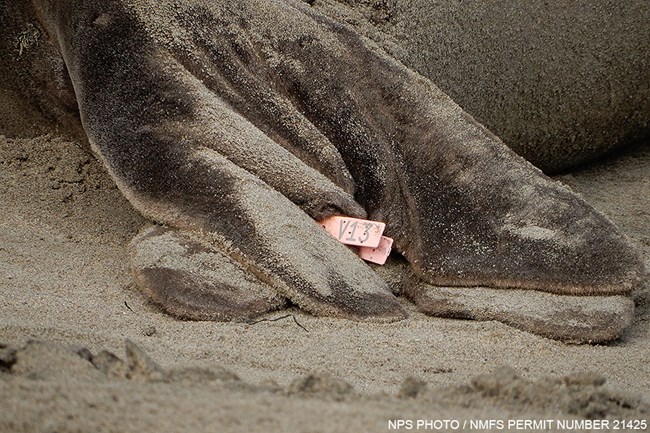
[235, 124]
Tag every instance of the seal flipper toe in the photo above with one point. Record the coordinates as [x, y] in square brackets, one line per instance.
[572, 319]
[191, 280]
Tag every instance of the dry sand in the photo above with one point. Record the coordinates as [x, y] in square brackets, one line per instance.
[65, 285]
[64, 280]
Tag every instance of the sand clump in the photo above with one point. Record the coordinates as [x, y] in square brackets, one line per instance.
[81, 394]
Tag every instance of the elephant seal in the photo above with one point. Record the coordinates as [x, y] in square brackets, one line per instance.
[235, 133]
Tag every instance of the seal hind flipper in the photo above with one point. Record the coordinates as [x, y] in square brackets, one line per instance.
[195, 150]
[190, 279]
[184, 158]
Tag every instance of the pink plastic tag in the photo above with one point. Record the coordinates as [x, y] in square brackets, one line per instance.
[353, 231]
[378, 254]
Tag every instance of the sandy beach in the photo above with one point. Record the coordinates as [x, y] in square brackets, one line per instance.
[81, 349]
[66, 285]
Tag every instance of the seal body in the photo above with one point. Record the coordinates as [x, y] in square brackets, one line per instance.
[561, 85]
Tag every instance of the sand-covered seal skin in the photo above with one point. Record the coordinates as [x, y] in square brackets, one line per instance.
[236, 130]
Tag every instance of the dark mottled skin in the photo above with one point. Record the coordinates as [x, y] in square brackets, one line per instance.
[237, 128]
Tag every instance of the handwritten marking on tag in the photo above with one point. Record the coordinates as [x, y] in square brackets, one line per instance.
[354, 231]
[379, 254]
